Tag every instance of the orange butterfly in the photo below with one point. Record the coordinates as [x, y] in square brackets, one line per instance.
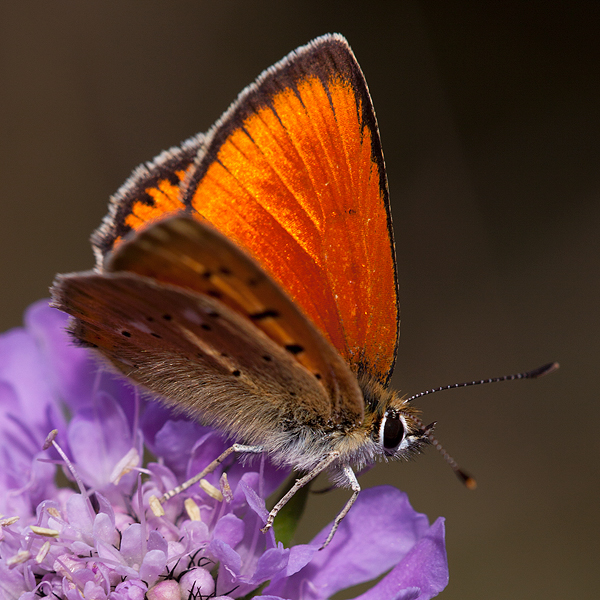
[248, 277]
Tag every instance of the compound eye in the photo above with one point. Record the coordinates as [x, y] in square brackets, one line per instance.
[393, 432]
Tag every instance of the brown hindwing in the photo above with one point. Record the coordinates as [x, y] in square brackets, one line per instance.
[194, 351]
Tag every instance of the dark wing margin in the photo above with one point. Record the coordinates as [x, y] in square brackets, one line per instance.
[152, 191]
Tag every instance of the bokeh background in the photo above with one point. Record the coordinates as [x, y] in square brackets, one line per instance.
[489, 117]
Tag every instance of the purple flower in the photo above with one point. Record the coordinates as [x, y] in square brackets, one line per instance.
[380, 533]
[96, 537]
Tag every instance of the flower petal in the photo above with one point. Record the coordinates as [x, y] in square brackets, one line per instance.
[270, 564]
[99, 437]
[153, 565]
[376, 534]
[424, 569]
[229, 529]
[71, 370]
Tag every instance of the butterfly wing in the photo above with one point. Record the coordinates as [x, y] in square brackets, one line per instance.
[294, 174]
[200, 356]
[210, 288]
[152, 192]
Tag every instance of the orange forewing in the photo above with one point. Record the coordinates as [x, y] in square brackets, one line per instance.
[294, 174]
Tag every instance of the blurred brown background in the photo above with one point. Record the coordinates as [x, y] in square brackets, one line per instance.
[489, 117]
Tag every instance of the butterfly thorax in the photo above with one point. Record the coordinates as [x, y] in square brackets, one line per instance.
[358, 444]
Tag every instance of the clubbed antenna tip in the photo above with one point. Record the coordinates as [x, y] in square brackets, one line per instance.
[545, 370]
[427, 430]
[469, 481]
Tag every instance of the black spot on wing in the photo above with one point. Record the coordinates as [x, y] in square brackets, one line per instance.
[265, 314]
[294, 348]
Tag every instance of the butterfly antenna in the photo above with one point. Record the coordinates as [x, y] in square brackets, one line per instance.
[427, 430]
[534, 374]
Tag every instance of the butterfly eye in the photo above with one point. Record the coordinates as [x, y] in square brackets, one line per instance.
[392, 432]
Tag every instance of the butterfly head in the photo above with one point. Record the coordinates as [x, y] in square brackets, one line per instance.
[395, 427]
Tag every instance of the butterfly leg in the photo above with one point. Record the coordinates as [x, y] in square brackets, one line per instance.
[351, 477]
[209, 469]
[300, 483]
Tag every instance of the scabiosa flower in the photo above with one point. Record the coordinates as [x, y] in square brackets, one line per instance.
[89, 534]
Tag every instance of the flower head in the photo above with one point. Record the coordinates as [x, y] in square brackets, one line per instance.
[93, 536]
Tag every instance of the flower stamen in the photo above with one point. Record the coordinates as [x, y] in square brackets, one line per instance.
[192, 509]
[211, 490]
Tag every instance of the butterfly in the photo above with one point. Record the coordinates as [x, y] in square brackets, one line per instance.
[248, 277]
